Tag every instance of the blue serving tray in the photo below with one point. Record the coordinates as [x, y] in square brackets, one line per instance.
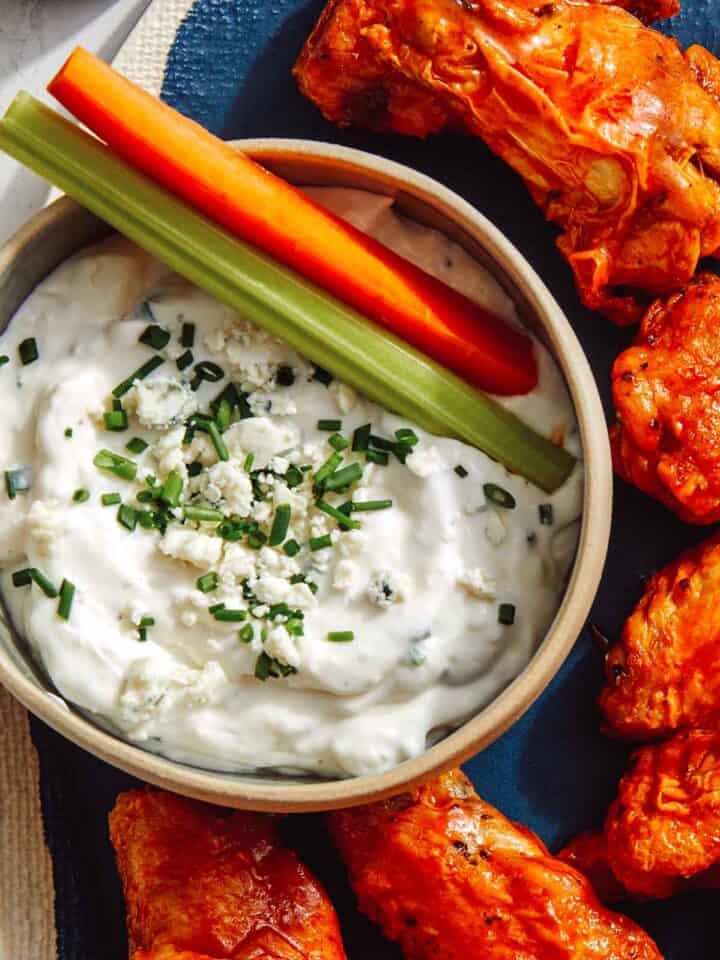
[229, 68]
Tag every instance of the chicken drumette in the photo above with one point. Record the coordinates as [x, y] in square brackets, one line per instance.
[666, 389]
[662, 832]
[615, 131]
[450, 878]
[663, 674]
[202, 883]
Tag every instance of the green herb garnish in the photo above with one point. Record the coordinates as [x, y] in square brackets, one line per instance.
[67, 595]
[81, 495]
[377, 456]
[320, 543]
[359, 505]
[115, 420]
[28, 351]
[506, 614]
[114, 463]
[137, 445]
[546, 514]
[230, 616]
[329, 425]
[343, 520]
[341, 636]
[171, 489]
[207, 582]
[154, 336]
[291, 548]
[185, 360]
[127, 517]
[110, 499]
[187, 335]
[461, 471]
[201, 514]
[140, 374]
[47, 586]
[343, 477]
[280, 525]
[499, 496]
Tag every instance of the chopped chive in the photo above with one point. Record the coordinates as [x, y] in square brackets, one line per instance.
[211, 428]
[285, 376]
[22, 578]
[295, 627]
[187, 335]
[230, 616]
[461, 471]
[47, 586]
[185, 360]
[146, 519]
[263, 666]
[406, 435]
[154, 336]
[207, 582]
[144, 371]
[215, 607]
[142, 634]
[280, 525]
[342, 519]
[341, 636]
[110, 499]
[194, 468]
[320, 543]
[137, 445]
[4, 358]
[147, 621]
[377, 456]
[68, 432]
[222, 417]
[146, 496]
[506, 614]
[328, 468]
[81, 495]
[346, 508]
[120, 466]
[380, 443]
[322, 376]
[207, 370]
[301, 578]
[546, 514]
[115, 420]
[172, 488]
[204, 514]
[127, 517]
[359, 505]
[291, 548]
[499, 496]
[257, 539]
[28, 351]
[189, 434]
[249, 460]
[338, 442]
[329, 425]
[16, 481]
[67, 595]
[343, 477]
[150, 480]
[245, 634]
[361, 437]
[293, 476]
[233, 530]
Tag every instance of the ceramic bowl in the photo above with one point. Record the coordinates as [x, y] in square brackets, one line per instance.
[64, 227]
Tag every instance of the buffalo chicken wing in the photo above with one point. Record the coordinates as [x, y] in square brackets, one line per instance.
[662, 832]
[663, 674]
[203, 883]
[450, 878]
[615, 131]
[666, 387]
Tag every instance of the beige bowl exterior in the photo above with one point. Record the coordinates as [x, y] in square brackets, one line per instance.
[62, 228]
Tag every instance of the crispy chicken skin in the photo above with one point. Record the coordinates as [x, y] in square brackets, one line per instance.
[450, 878]
[203, 883]
[615, 131]
[663, 674]
[665, 388]
[662, 832]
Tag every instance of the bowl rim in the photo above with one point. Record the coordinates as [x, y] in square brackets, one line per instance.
[238, 790]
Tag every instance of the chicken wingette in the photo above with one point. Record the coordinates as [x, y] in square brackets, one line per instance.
[614, 129]
[450, 878]
[202, 883]
[663, 674]
[665, 388]
[662, 832]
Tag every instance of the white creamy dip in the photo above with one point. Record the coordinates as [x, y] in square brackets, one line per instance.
[349, 657]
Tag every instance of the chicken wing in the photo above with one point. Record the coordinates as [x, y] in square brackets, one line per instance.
[615, 131]
[450, 878]
[663, 674]
[665, 387]
[202, 883]
[662, 832]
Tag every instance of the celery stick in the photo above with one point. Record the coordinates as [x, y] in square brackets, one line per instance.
[332, 335]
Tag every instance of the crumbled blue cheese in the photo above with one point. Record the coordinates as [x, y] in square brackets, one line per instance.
[192, 546]
[162, 402]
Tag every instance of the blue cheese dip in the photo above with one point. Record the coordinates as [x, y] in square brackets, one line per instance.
[221, 553]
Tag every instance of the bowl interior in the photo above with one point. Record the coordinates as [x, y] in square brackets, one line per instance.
[63, 228]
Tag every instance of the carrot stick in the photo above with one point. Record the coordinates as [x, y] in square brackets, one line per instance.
[263, 209]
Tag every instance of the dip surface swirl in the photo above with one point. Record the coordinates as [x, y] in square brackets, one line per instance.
[241, 623]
